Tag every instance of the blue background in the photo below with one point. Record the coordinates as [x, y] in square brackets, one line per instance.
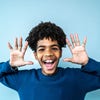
[17, 17]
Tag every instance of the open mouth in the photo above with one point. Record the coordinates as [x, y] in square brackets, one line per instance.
[49, 64]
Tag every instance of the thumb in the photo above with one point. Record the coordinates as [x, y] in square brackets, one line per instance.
[28, 63]
[68, 59]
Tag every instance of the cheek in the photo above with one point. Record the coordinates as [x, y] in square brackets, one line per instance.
[39, 56]
[36, 56]
[58, 55]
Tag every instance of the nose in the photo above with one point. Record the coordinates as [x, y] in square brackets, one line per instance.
[48, 53]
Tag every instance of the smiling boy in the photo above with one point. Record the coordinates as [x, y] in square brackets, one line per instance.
[50, 82]
[48, 54]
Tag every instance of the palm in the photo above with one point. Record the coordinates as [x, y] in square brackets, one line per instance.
[79, 55]
[78, 51]
[16, 57]
[17, 54]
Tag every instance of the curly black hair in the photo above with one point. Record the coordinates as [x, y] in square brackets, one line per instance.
[46, 30]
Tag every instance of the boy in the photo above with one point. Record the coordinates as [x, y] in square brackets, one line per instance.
[50, 82]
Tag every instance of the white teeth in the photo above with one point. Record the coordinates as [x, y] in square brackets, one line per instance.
[49, 61]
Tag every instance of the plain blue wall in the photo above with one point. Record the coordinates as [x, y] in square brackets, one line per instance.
[17, 17]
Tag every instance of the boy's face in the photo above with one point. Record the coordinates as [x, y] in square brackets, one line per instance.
[48, 54]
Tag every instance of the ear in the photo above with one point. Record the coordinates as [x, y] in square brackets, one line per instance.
[35, 55]
[61, 53]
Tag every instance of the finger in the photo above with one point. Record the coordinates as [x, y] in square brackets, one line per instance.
[69, 44]
[84, 42]
[20, 44]
[9, 46]
[25, 48]
[16, 43]
[77, 40]
[72, 40]
[67, 59]
[28, 63]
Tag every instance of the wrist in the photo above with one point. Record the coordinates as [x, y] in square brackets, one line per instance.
[85, 62]
[15, 68]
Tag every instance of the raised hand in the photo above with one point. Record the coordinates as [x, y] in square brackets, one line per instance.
[79, 55]
[17, 54]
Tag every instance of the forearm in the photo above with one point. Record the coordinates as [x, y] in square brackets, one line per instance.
[5, 68]
[92, 67]
[8, 76]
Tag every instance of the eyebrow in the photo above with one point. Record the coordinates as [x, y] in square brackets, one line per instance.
[42, 46]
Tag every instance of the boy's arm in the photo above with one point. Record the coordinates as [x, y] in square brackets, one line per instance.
[92, 67]
[9, 75]
[6, 68]
[79, 55]
[88, 77]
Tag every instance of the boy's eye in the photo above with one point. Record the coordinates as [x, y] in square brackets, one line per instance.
[40, 49]
[55, 48]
